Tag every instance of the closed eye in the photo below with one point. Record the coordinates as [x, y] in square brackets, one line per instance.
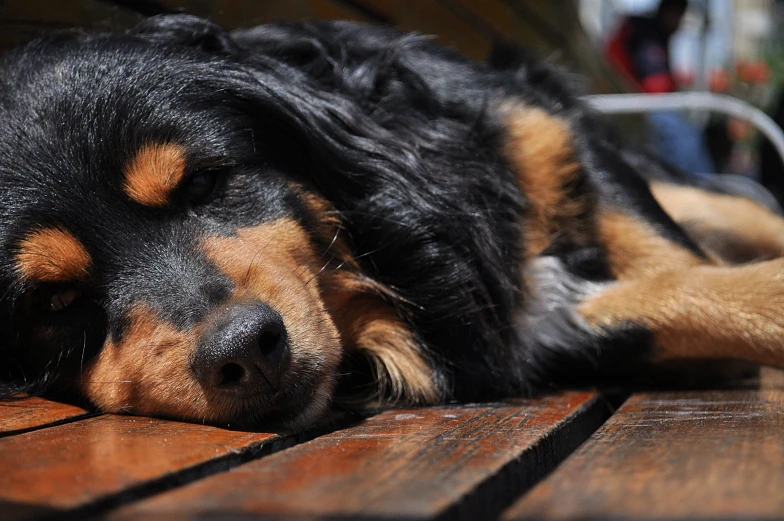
[202, 187]
[61, 300]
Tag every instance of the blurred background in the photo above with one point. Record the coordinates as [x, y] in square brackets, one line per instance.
[733, 47]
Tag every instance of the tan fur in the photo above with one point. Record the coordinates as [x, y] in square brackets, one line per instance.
[329, 228]
[366, 319]
[154, 173]
[149, 372]
[275, 264]
[702, 311]
[371, 326]
[737, 229]
[694, 307]
[540, 149]
[52, 255]
[635, 250]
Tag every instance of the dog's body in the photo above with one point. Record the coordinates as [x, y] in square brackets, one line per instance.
[240, 228]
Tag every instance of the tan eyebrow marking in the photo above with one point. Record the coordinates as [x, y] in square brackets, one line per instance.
[52, 255]
[154, 173]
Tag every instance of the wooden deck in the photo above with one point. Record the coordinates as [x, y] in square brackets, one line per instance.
[668, 455]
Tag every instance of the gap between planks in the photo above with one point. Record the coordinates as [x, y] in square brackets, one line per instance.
[30, 414]
[672, 455]
[485, 496]
[50, 502]
[451, 462]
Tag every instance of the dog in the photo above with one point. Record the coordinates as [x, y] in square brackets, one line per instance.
[246, 228]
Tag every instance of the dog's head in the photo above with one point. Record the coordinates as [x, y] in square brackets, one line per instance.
[165, 249]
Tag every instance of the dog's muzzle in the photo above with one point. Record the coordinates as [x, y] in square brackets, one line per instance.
[246, 355]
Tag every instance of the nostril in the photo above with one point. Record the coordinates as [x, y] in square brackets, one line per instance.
[269, 342]
[231, 374]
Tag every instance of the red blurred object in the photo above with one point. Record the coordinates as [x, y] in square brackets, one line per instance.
[753, 72]
[685, 77]
[718, 80]
[658, 83]
[618, 53]
[738, 130]
[620, 56]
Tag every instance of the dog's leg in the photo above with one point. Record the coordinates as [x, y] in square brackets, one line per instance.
[635, 249]
[734, 228]
[709, 312]
[665, 301]
[692, 307]
[666, 304]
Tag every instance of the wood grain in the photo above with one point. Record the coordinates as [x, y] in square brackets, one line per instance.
[687, 455]
[408, 463]
[431, 17]
[34, 413]
[99, 458]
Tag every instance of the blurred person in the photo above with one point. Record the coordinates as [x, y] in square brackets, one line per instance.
[639, 49]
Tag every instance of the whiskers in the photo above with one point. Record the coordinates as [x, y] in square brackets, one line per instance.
[333, 242]
[81, 359]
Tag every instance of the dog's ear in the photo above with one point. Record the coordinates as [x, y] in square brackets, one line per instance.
[187, 30]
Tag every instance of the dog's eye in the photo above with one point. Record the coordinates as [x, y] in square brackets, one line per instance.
[62, 300]
[202, 187]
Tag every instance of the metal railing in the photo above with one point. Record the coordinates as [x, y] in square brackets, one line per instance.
[640, 103]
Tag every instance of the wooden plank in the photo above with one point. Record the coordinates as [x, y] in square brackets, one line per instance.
[406, 464]
[430, 17]
[34, 413]
[242, 13]
[688, 455]
[96, 460]
[331, 10]
[60, 12]
[25, 20]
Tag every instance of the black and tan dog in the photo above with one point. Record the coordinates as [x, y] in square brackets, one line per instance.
[242, 228]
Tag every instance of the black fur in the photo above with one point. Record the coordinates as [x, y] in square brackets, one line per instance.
[401, 135]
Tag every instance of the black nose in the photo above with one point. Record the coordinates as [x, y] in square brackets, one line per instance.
[246, 354]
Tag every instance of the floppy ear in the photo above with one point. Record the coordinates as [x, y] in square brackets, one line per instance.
[186, 30]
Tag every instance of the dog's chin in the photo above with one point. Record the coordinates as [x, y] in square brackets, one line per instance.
[286, 412]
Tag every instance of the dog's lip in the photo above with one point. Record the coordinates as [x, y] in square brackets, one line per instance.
[277, 409]
[293, 400]
[309, 409]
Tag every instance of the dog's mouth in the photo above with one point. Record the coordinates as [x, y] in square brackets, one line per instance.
[289, 409]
